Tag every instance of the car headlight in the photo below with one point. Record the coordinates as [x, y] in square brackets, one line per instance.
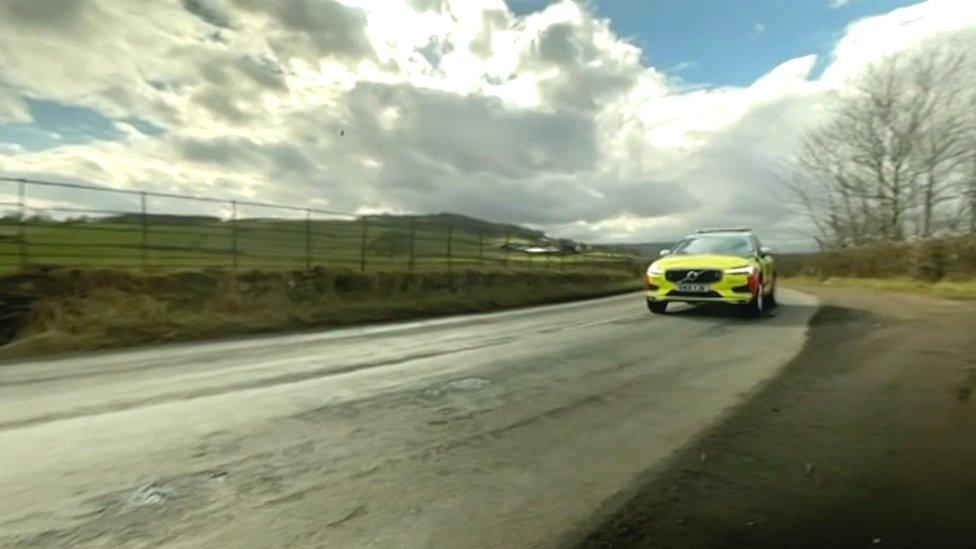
[654, 270]
[743, 270]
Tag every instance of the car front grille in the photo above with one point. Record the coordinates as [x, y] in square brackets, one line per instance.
[701, 276]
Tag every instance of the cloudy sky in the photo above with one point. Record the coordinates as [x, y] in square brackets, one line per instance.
[613, 120]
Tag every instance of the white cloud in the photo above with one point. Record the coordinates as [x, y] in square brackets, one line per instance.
[871, 38]
[10, 148]
[548, 119]
[834, 4]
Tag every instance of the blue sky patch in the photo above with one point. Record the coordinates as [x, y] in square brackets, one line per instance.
[725, 43]
[55, 124]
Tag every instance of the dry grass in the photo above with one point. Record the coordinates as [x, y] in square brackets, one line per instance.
[944, 267]
[929, 260]
[71, 310]
[962, 289]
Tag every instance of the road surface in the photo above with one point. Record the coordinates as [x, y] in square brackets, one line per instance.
[501, 430]
[866, 439]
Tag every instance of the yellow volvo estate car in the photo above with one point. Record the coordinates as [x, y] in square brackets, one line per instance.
[714, 265]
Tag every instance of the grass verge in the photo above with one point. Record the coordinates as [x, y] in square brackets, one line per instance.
[65, 310]
[949, 289]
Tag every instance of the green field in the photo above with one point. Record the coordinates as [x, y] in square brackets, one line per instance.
[372, 243]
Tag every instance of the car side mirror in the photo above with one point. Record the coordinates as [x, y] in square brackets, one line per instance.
[765, 250]
[665, 252]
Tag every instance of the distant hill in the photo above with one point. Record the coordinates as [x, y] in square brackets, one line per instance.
[521, 236]
[159, 219]
[466, 223]
[460, 222]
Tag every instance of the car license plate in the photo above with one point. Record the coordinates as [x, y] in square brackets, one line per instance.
[693, 288]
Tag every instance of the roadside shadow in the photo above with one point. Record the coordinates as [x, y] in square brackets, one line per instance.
[784, 314]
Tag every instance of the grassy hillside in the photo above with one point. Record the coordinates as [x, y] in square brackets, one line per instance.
[376, 242]
[127, 279]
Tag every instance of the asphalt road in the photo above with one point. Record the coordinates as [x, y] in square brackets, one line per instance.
[866, 439]
[502, 430]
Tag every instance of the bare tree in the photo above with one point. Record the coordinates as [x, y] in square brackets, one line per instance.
[971, 193]
[943, 148]
[831, 194]
[892, 153]
[968, 182]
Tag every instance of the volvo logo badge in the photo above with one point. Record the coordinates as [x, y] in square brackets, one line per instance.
[691, 276]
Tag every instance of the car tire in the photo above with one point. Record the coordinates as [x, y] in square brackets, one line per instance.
[657, 307]
[771, 298]
[756, 306]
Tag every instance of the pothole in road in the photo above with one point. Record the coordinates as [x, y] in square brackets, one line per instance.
[138, 515]
[468, 384]
[464, 384]
[152, 494]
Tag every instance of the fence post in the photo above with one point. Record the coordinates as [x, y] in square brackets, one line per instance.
[144, 228]
[308, 240]
[481, 248]
[413, 243]
[21, 221]
[233, 234]
[362, 246]
[450, 238]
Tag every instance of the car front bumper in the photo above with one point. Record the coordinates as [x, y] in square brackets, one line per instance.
[732, 289]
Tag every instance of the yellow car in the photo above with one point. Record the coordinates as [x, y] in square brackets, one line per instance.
[714, 265]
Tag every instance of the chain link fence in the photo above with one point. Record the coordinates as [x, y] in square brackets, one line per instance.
[52, 224]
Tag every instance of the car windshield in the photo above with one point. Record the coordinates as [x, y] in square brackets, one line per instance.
[715, 244]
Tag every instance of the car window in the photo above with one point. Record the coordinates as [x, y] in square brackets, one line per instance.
[715, 244]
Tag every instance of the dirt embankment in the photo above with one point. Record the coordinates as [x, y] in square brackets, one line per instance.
[866, 439]
[70, 309]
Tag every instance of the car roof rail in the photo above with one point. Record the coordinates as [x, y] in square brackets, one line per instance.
[725, 230]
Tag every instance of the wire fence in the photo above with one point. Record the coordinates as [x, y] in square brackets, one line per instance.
[52, 224]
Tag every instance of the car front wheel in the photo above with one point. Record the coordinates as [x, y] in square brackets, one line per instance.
[657, 307]
[757, 306]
